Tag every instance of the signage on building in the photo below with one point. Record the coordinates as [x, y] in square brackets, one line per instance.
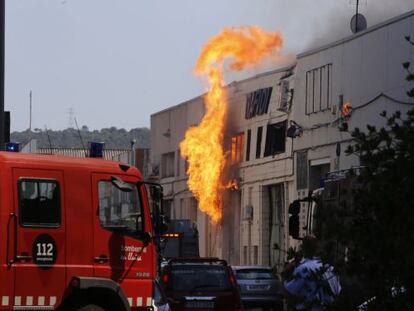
[257, 102]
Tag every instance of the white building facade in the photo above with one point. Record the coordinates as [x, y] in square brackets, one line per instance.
[271, 169]
[259, 161]
[364, 71]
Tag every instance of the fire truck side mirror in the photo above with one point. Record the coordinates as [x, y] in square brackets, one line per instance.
[159, 218]
[294, 210]
[146, 238]
[120, 184]
[156, 194]
[163, 225]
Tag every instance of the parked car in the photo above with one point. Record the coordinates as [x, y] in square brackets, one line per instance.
[259, 287]
[200, 284]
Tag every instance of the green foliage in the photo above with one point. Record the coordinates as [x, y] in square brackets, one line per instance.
[69, 138]
[376, 231]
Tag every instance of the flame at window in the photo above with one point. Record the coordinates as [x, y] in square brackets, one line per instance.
[203, 144]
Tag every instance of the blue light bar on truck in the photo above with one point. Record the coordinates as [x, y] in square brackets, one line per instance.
[96, 150]
[13, 147]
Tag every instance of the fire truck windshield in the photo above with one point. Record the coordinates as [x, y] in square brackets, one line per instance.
[120, 210]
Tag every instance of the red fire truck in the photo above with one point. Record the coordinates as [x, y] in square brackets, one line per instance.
[75, 234]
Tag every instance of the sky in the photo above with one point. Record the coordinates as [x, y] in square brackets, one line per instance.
[115, 62]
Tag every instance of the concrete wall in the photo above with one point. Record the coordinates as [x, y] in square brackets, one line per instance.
[363, 67]
[232, 236]
[259, 173]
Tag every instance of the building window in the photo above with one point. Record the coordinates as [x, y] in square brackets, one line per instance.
[237, 148]
[178, 163]
[285, 96]
[249, 137]
[318, 89]
[39, 202]
[259, 142]
[302, 170]
[167, 164]
[182, 209]
[317, 175]
[257, 102]
[192, 213]
[167, 205]
[275, 139]
[186, 165]
[255, 255]
[245, 255]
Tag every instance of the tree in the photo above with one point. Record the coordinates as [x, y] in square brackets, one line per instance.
[69, 138]
[378, 234]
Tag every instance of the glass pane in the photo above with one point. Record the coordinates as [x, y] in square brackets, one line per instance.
[119, 209]
[255, 274]
[309, 92]
[205, 278]
[39, 202]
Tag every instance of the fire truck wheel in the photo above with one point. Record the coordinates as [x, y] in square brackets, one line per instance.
[90, 307]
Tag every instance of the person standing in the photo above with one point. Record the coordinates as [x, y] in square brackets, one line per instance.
[313, 285]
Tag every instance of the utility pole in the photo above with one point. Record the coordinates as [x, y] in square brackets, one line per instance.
[30, 121]
[2, 52]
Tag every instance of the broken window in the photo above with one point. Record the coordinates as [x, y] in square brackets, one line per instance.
[275, 139]
[257, 102]
[285, 96]
[237, 148]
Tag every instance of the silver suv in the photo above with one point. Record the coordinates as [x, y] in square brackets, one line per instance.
[259, 287]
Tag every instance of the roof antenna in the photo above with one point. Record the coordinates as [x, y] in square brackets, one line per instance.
[80, 137]
[30, 121]
[48, 137]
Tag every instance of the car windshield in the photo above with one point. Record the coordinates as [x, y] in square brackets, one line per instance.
[199, 278]
[254, 274]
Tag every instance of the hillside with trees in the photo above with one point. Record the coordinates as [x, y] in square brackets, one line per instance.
[113, 137]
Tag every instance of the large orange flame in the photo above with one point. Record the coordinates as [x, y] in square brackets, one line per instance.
[203, 144]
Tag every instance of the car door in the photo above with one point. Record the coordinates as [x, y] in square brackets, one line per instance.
[39, 242]
[119, 251]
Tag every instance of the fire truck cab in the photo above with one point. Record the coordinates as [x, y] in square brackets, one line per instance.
[75, 234]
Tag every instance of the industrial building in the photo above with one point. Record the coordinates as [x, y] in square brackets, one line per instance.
[286, 129]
